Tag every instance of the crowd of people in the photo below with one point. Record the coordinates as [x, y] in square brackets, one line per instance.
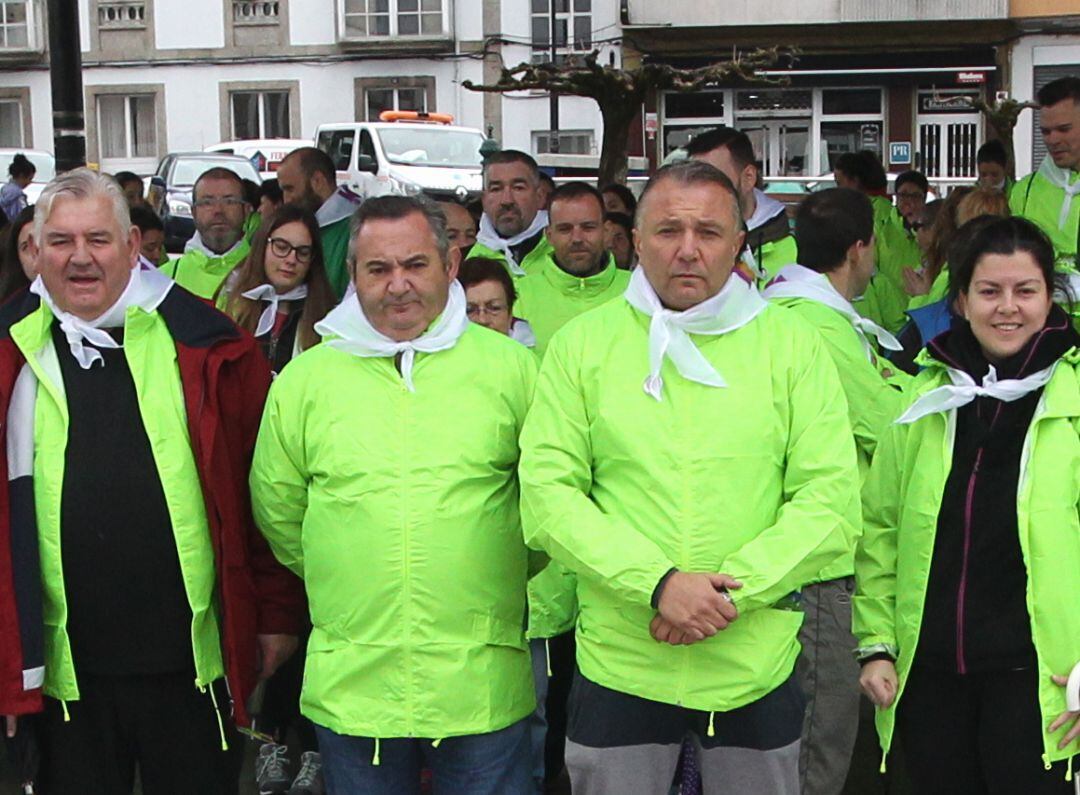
[635, 490]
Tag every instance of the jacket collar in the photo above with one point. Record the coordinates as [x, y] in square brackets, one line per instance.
[569, 284]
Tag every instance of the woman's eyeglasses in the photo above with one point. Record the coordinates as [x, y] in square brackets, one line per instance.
[283, 248]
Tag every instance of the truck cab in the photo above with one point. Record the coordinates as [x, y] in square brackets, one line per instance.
[405, 153]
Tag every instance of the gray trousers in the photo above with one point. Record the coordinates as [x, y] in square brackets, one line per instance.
[829, 677]
[619, 744]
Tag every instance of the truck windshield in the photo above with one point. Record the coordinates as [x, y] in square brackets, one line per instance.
[432, 146]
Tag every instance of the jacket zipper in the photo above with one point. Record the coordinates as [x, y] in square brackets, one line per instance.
[969, 505]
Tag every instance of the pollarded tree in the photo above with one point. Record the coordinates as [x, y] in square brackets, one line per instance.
[619, 93]
[1002, 116]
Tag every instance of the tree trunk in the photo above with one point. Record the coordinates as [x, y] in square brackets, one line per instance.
[618, 114]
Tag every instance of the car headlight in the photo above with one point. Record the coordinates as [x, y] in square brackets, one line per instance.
[180, 208]
[404, 187]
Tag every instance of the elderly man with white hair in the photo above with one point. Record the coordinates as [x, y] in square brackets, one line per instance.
[139, 605]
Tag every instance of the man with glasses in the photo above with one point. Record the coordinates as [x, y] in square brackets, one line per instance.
[219, 245]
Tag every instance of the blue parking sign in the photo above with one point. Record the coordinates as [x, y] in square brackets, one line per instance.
[899, 153]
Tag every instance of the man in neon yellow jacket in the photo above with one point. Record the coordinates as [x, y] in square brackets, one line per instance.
[834, 230]
[1046, 196]
[219, 245]
[688, 455]
[385, 476]
[578, 274]
[514, 219]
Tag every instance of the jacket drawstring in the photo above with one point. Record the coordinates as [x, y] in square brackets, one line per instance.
[63, 706]
[375, 756]
[1046, 762]
[547, 656]
[435, 743]
[711, 731]
[882, 768]
[217, 712]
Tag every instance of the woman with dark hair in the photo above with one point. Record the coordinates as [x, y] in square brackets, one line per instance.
[968, 569]
[19, 268]
[619, 199]
[12, 197]
[490, 297]
[281, 291]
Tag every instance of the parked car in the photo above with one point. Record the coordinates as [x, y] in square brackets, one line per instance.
[405, 153]
[46, 169]
[265, 154]
[170, 189]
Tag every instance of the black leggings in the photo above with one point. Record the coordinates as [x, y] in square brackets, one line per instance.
[977, 734]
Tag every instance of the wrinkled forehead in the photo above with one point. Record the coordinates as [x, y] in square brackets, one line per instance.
[692, 202]
[510, 172]
[81, 215]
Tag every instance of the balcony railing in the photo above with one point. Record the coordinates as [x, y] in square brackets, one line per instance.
[256, 12]
[121, 15]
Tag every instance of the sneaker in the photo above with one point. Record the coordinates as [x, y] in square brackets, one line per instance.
[272, 769]
[309, 781]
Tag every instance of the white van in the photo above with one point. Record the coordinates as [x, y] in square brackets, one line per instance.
[405, 153]
[265, 154]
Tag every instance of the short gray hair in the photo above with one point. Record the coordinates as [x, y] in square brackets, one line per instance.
[692, 172]
[393, 208]
[81, 183]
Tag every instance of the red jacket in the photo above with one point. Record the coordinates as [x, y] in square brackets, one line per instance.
[225, 379]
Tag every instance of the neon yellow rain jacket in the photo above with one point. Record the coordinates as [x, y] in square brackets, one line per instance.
[399, 510]
[902, 497]
[757, 480]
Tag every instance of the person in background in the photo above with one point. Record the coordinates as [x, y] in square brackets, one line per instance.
[547, 187]
[132, 186]
[307, 177]
[253, 197]
[834, 230]
[20, 257]
[619, 199]
[992, 162]
[580, 272]
[619, 239]
[769, 243]
[514, 219]
[281, 291]
[910, 190]
[12, 195]
[218, 246]
[460, 226]
[489, 293]
[270, 197]
[1046, 195]
[931, 283]
[152, 246]
[968, 569]
[896, 249]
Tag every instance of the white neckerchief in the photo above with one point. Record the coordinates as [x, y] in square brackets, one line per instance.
[145, 289]
[341, 204]
[765, 209]
[196, 244]
[964, 390]
[355, 334]
[798, 281]
[669, 332]
[487, 236]
[268, 293]
[1060, 178]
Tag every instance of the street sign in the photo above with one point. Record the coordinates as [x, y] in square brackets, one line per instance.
[900, 153]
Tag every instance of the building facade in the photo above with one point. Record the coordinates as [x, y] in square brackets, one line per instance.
[179, 75]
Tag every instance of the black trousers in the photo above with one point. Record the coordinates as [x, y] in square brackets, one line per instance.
[977, 734]
[281, 703]
[160, 725]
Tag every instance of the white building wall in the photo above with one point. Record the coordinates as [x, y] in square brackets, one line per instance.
[1027, 53]
[190, 24]
[309, 22]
